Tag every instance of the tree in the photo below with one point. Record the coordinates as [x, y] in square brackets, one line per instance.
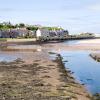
[21, 25]
[1, 26]
[32, 28]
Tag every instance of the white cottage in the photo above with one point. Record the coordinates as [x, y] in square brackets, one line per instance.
[45, 34]
[42, 33]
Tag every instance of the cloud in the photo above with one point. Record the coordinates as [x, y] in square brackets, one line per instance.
[95, 7]
[6, 9]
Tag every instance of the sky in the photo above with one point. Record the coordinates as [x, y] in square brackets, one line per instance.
[74, 15]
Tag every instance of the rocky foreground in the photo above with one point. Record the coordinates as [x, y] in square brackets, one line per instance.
[39, 79]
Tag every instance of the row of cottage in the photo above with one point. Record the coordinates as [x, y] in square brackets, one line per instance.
[39, 33]
[14, 33]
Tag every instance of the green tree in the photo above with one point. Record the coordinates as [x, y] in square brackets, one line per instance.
[32, 28]
[1, 26]
[21, 25]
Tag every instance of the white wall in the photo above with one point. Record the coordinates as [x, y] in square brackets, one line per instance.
[38, 33]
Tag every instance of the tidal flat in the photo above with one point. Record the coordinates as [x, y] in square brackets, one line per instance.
[36, 72]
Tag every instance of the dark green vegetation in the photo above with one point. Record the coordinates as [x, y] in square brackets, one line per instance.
[53, 28]
[9, 25]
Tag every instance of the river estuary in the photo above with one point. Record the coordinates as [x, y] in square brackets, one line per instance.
[84, 68]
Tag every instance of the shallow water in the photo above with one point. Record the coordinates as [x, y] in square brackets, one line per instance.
[71, 42]
[7, 57]
[86, 70]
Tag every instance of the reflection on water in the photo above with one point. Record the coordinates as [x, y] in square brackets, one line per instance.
[85, 69]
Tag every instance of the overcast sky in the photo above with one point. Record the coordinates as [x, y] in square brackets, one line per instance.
[75, 15]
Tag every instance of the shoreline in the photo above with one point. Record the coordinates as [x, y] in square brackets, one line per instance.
[40, 78]
[69, 79]
[51, 46]
[90, 44]
[86, 95]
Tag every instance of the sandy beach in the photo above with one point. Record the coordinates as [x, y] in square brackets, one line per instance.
[91, 44]
[90, 41]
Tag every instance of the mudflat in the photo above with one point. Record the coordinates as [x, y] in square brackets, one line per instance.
[35, 76]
